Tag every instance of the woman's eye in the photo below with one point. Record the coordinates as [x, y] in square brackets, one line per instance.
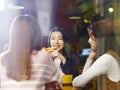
[52, 38]
[61, 38]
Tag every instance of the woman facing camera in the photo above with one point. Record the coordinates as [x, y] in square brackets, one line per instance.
[104, 57]
[62, 57]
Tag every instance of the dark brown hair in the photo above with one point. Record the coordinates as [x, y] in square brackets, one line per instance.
[103, 31]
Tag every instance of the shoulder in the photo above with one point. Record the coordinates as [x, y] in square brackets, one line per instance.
[43, 53]
[41, 56]
[105, 59]
[107, 56]
[3, 57]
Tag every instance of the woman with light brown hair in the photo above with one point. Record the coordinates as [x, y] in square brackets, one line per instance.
[26, 65]
[104, 57]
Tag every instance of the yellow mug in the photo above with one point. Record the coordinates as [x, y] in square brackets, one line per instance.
[66, 79]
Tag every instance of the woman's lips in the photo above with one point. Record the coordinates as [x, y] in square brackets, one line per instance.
[56, 46]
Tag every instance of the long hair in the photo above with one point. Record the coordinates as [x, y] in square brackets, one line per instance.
[103, 31]
[65, 38]
[24, 37]
[70, 67]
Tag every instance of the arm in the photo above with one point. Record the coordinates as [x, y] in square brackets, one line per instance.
[89, 60]
[43, 63]
[99, 67]
[57, 62]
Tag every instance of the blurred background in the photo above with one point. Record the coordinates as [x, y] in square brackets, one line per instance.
[73, 15]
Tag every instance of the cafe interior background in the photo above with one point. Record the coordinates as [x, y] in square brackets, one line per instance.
[72, 15]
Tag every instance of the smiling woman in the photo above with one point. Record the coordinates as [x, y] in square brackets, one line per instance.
[62, 56]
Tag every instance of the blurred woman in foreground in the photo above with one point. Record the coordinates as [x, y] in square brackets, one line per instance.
[26, 65]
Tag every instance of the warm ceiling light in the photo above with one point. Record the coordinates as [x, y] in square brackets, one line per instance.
[110, 9]
[86, 20]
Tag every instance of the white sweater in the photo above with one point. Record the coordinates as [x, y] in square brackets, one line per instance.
[106, 64]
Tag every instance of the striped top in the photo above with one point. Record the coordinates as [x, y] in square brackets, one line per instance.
[43, 70]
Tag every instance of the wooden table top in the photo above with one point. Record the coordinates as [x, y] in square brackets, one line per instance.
[66, 87]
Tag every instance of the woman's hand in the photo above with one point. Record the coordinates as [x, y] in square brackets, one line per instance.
[76, 88]
[56, 53]
[92, 55]
[54, 85]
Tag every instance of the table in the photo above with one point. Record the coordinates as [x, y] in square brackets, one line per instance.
[66, 87]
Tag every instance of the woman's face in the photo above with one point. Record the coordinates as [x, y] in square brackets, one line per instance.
[56, 40]
[92, 42]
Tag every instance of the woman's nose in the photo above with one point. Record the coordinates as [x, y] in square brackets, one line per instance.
[89, 40]
[56, 41]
